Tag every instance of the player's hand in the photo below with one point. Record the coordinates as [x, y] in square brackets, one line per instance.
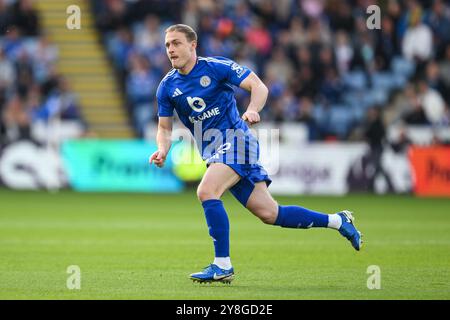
[251, 117]
[158, 157]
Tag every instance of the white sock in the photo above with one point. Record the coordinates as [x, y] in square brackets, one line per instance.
[334, 221]
[223, 262]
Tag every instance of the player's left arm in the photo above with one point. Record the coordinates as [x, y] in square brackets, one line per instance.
[258, 97]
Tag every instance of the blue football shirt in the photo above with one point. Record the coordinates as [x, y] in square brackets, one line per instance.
[205, 98]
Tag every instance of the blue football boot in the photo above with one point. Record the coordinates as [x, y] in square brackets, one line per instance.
[349, 230]
[213, 273]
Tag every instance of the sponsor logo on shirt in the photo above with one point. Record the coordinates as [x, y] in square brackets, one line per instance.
[197, 104]
[205, 115]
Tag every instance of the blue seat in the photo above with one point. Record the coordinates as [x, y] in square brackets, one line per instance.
[358, 99]
[377, 96]
[358, 113]
[402, 66]
[320, 115]
[355, 80]
[340, 120]
[383, 80]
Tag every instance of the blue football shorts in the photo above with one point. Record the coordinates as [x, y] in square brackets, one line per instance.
[250, 172]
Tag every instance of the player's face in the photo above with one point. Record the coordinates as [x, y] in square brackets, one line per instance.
[179, 50]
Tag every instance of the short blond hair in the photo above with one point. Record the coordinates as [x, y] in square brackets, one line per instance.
[190, 33]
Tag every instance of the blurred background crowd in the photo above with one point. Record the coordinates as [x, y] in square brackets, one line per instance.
[324, 67]
[31, 88]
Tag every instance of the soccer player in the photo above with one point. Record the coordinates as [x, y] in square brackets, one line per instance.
[201, 91]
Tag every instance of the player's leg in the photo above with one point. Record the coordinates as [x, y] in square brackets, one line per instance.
[262, 205]
[217, 179]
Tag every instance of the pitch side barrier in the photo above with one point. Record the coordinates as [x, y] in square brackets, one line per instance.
[315, 168]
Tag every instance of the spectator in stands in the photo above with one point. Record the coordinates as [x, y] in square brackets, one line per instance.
[407, 9]
[312, 8]
[344, 52]
[444, 68]
[45, 56]
[69, 108]
[277, 111]
[446, 118]
[61, 103]
[122, 46]
[386, 47]
[215, 46]
[30, 85]
[432, 103]
[16, 119]
[307, 51]
[417, 43]
[25, 17]
[4, 17]
[438, 19]
[332, 87]
[365, 54]
[113, 16]
[402, 143]
[303, 57]
[394, 12]
[24, 72]
[189, 14]
[259, 38]
[414, 115]
[148, 36]
[141, 81]
[325, 62]
[7, 72]
[148, 43]
[340, 14]
[51, 82]
[436, 81]
[305, 84]
[297, 33]
[318, 35]
[141, 85]
[12, 43]
[242, 16]
[304, 115]
[280, 66]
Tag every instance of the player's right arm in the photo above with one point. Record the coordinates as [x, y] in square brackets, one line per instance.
[163, 140]
[164, 134]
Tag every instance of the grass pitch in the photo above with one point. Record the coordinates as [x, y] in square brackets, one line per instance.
[141, 246]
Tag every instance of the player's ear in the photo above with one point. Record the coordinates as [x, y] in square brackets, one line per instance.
[194, 44]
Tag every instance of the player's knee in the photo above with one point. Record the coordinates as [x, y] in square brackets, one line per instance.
[205, 193]
[266, 216]
[269, 218]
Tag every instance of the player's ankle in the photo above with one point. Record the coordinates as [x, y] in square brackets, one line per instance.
[334, 221]
[223, 262]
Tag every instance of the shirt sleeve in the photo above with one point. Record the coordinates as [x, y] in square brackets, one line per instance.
[229, 71]
[165, 107]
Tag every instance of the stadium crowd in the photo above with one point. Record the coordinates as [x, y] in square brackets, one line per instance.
[323, 65]
[31, 88]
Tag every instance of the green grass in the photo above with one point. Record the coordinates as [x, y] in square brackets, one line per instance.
[136, 246]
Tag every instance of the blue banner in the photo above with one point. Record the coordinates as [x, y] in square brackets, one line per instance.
[117, 165]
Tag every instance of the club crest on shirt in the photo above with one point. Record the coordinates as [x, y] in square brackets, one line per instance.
[205, 81]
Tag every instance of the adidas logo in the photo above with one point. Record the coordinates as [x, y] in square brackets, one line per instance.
[177, 93]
